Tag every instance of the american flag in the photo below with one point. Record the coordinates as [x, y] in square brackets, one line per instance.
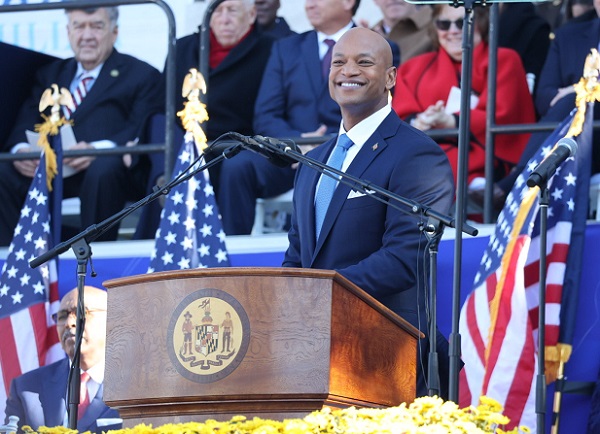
[499, 319]
[28, 297]
[190, 234]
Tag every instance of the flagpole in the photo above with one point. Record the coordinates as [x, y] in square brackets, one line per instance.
[95, 230]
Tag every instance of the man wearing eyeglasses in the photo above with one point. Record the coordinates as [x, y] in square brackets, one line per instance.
[40, 397]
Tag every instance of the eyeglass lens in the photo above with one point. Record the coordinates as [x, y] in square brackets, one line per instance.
[445, 24]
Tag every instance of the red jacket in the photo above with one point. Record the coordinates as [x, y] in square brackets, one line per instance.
[428, 78]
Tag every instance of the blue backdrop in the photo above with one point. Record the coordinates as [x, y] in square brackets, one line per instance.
[584, 364]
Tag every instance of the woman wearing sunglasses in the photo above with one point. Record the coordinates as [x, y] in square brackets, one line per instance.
[427, 93]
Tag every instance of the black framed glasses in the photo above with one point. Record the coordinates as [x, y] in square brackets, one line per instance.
[61, 316]
[444, 25]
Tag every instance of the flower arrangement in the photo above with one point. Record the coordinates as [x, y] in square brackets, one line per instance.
[430, 415]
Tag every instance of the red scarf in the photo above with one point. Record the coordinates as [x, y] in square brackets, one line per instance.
[218, 52]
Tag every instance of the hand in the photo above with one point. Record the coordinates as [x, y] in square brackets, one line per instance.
[80, 163]
[127, 157]
[319, 132]
[27, 167]
[562, 92]
[434, 117]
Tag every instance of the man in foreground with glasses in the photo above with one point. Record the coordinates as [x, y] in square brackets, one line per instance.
[40, 397]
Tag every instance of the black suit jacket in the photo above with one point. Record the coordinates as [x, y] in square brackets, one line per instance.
[125, 93]
[16, 79]
[232, 86]
[38, 398]
[565, 60]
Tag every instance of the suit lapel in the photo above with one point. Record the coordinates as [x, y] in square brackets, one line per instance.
[110, 72]
[369, 151]
[237, 53]
[320, 154]
[66, 75]
[55, 392]
[310, 53]
[93, 412]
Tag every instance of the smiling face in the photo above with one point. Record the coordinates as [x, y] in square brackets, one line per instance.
[361, 75]
[231, 20]
[92, 36]
[451, 38]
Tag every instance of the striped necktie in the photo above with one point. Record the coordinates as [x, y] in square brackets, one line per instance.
[327, 185]
[80, 92]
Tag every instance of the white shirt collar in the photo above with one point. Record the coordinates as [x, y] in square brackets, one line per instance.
[361, 132]
[336, 36]
[93, 73]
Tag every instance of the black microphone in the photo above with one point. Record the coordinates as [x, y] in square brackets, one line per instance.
[565, 148]
[272, 153]
[282, 145]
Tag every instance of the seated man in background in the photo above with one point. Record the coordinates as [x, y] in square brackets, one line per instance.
[267, 20]
[407, 25]
[293, 101]
[39, 397]
[237, 58]
[120, 93]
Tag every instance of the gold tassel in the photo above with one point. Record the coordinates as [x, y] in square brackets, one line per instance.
[45, 129]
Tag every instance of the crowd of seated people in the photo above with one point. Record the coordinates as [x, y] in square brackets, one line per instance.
[266, 79]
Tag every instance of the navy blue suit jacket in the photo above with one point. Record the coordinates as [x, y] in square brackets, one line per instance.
[294, 96]
[125, 93]
[565, 60]
[38, 398]
[374, 245]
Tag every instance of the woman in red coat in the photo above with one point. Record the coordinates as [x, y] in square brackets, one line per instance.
[427, 93]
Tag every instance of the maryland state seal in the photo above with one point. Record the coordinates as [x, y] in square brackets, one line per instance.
[208, 335]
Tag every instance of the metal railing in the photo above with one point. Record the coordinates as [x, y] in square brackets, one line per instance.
[169, 148]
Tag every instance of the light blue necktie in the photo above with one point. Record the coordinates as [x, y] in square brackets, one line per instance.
[328, 184]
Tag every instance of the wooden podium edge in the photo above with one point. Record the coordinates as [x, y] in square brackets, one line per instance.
[273, 272]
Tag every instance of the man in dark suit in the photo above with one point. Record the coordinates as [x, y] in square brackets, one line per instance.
[293, 101]
[374, 245]
[39, 397]
[237, 58]
[121, 92]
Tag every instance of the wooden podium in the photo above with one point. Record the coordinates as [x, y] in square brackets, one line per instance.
[268, 342]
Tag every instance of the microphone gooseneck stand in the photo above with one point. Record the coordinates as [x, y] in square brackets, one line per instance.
[540, 385]
[461, 189]
[434, 233]
[433, 229]
[80, 246]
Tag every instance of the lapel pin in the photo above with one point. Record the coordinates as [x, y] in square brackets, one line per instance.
[114, 73]
[375, 146]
